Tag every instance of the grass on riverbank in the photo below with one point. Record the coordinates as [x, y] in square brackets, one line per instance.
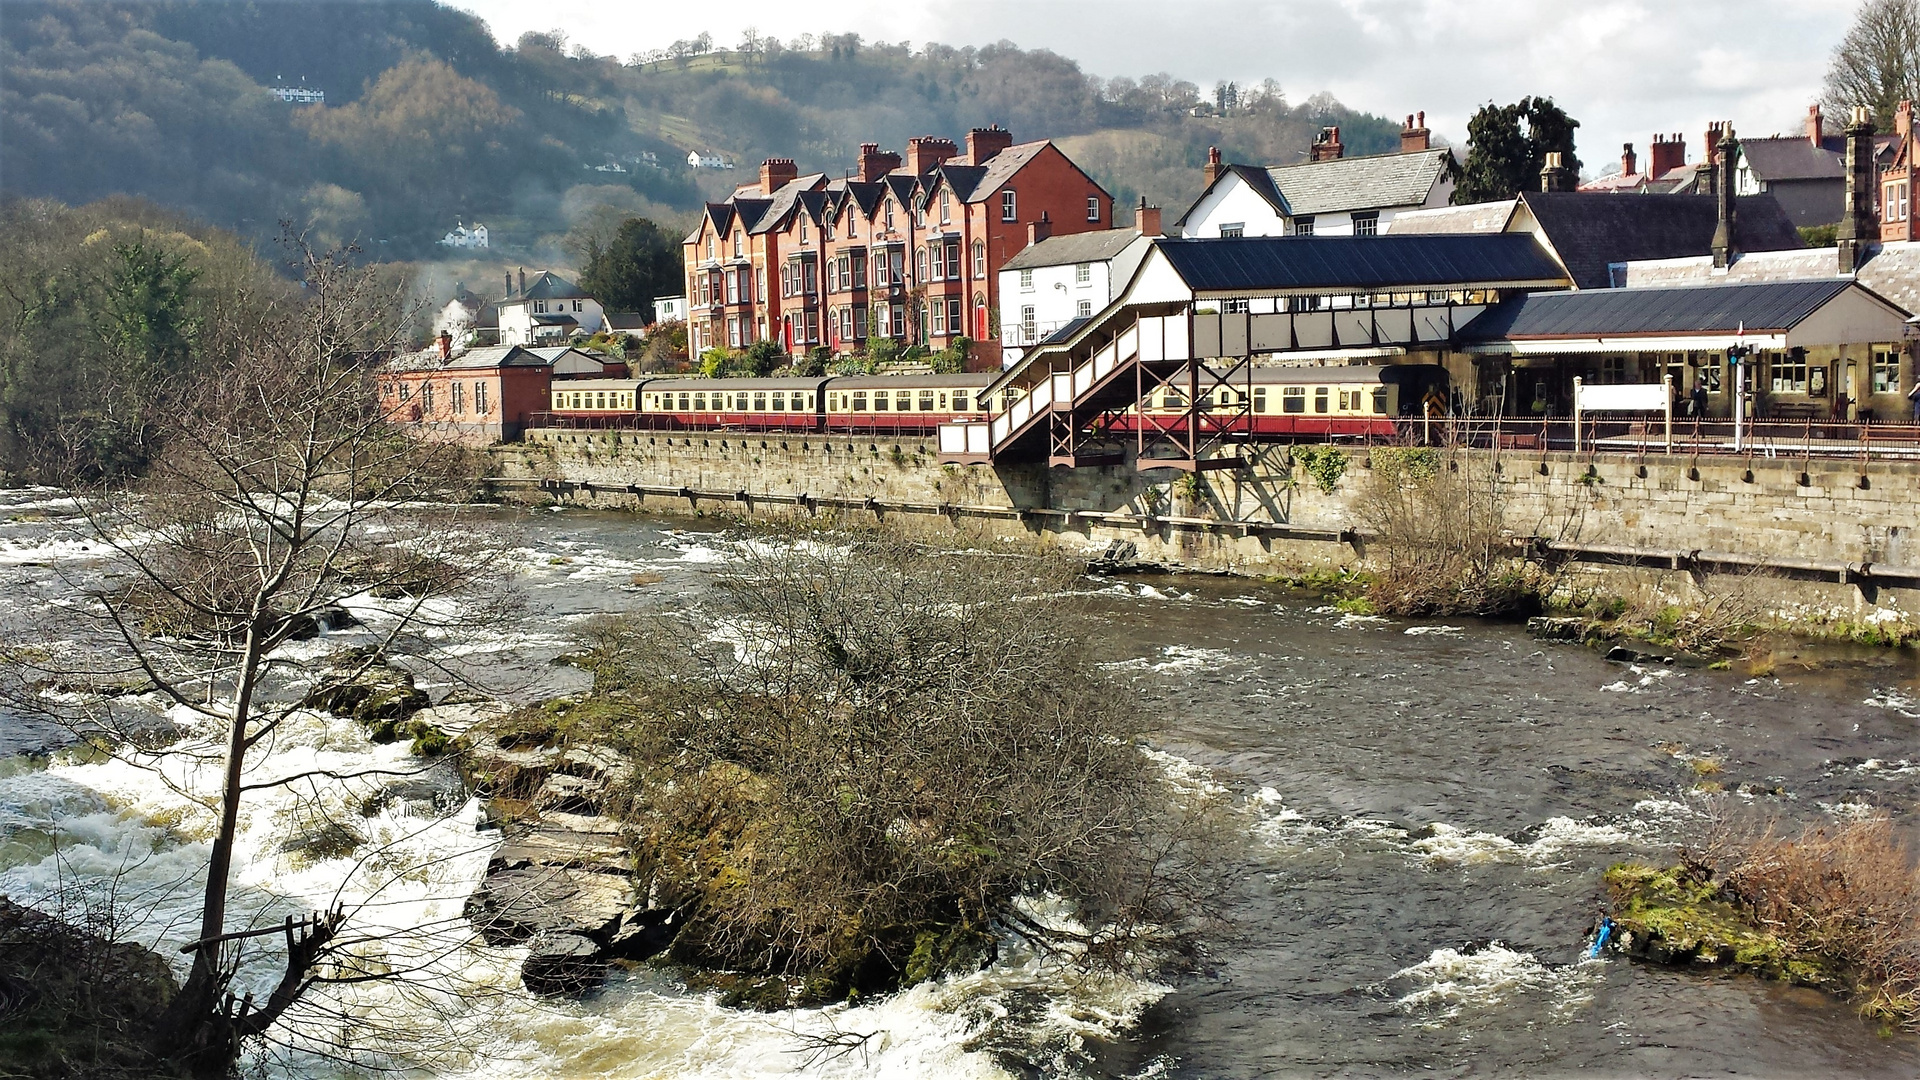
[1835, 907]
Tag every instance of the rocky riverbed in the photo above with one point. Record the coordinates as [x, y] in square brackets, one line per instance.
[1428, 808]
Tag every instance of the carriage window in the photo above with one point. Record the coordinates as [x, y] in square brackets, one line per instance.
[960, 401]
[1320, 396]
[903, 400]
[780, 401]
[684, 406]
[1293, 399]
[760, 402]
[859, 401]
[1260, 399]
[1174, 399]
[926, 401]
[879, 401]
[1380, 401]
[700, 402]
[600, 400]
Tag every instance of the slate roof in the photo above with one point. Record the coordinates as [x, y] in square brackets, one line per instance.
[1795, 158]
[1086, 247]
[1000, 168]
[1360, 183]
[548, 285]
[780, 205]
[1589, 230]
[1357, 263]
[1067, 329]
[498, 356]
[1761, 307]
[1486, 217]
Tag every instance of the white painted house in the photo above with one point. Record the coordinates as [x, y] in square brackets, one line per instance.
[670, 309]
[1330, 195]
[1053, 283]
[463, 237]
[547, 310]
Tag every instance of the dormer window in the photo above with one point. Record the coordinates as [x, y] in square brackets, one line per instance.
[1008, 211]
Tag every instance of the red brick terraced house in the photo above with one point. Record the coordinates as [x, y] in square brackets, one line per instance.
[905, 247]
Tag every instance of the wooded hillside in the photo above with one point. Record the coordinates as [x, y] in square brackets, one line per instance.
[427, 122]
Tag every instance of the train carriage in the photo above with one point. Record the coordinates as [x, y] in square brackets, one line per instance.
[789, 404]
[904, 404]
[589, 398]
[1313, 402]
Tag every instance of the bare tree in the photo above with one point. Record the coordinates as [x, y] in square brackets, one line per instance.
[1877, 64]
[279, 492]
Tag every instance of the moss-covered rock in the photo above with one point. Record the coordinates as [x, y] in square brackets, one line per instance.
[1680, 915]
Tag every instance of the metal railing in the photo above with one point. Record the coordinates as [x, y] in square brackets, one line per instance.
[1806, 438]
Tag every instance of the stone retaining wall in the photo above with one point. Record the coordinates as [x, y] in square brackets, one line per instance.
[1783, 509]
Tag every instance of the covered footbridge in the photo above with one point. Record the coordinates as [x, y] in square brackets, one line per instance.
[1195, 315]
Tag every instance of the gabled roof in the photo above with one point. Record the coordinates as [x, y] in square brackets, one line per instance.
[1768, 307]
[1086, 247]
[1590, 230]
[784, 199]
[1358, 263]
[1795, 158]
[960, 179]
[865, 194]
[749, 210]
[1361, 183]
[1000, 168]
[904, 187]
[814, 203]
[548, 285]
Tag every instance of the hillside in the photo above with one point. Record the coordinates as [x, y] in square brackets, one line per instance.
[427, 122]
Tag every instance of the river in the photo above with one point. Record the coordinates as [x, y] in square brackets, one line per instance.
[1427, 807]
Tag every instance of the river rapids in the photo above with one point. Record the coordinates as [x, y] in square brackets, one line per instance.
[1426, 810]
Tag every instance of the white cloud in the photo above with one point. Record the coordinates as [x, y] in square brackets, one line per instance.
[1624, 68]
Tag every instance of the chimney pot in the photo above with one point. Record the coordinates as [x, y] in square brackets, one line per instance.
[984, 143]
[1628, 162]
[1146, 219]
[1813, 124]
[1213, 167]
[776, 173]
[1414, 137]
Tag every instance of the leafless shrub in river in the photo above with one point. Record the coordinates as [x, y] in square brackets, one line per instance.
[869, 756]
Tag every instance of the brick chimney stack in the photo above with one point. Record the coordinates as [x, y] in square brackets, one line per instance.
[1857, 228]
[1555, 176]
[1629, 164]
[1327, 147]
[1146, 219]
[983, 143]
[446, 346]
[1813, 125]
[926, 152]
[1214, 167]
[1414, 136]
[523, 281]
[1667, 153]
[1727, 155]
[776, 173]
[1710, 167]
[875, 162]
[1039, 230]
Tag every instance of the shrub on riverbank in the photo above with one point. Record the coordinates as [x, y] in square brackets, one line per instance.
[1439, 539]
[1837, 907]
[871, 761]
[73, 1003]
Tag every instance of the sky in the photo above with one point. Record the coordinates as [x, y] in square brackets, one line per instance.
[1625, 69]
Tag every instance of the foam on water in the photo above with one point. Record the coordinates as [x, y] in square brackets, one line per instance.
[1451, 982]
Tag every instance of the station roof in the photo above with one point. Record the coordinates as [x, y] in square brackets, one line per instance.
[1359, 263]
[1757, 308]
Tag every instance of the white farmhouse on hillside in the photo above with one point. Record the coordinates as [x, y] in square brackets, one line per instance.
[1328, 195]
[463, 237]
[549, 309]
[1055, 282]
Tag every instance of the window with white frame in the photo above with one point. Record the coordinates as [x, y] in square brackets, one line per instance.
[1027, 327]
[1026, 281]
[979, 260]
[1093, 208]
[1303, 226]
[1008, 208]
[1083, 309]
[1232, 230]
[1886, 369]
[1083, 274]
[1787, 370]
[1366, 223]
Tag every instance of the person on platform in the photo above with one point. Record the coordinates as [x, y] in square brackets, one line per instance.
[1697, 405]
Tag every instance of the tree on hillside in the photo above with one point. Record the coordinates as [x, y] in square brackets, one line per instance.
[277, 492]
[1507, 146]
[639, 265]
[1877, 64]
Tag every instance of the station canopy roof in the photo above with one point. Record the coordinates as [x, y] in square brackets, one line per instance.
[1360, 263]
[1775, 314]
